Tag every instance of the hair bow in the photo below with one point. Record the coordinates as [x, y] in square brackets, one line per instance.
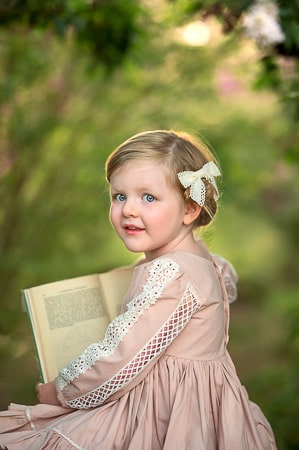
[194, 181]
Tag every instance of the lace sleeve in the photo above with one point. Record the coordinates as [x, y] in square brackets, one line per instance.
[229, 276]
[133, 340]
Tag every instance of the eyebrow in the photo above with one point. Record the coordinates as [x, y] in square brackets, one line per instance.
[141, 188]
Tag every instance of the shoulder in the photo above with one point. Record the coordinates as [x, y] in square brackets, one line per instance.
[159, 271]
[165, 272]
[154, 281]
[174, 272]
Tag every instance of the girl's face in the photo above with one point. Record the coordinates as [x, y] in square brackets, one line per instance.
[147, 213]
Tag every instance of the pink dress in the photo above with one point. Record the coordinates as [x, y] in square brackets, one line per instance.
[160, 379]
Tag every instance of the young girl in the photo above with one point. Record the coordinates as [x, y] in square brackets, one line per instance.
[162, 377]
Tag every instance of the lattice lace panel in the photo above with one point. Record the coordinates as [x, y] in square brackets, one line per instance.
[160, 274]
[187, 306]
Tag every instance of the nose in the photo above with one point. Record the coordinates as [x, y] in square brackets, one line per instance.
[130, 208]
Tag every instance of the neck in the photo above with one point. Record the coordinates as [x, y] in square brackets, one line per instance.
[184, 243]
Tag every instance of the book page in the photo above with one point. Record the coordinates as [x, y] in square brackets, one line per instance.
[66, 317]
[115, 284]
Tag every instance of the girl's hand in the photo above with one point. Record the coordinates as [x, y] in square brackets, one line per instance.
[46, 393]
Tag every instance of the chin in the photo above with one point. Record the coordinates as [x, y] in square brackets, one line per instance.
[134, 249]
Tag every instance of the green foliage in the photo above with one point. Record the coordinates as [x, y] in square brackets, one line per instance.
[289, 18]
[227, 11]
[106, 28]
[281, 384]
[279, 65]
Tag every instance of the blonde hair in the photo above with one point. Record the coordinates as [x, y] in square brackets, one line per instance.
[177, 151]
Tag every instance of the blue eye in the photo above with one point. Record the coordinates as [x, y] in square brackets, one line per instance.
[149, 198]
[120, 197]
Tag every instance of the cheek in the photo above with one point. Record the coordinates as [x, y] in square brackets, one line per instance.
[159, 220]
[113, 214]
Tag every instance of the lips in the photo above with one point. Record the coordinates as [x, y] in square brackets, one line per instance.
[132, 228]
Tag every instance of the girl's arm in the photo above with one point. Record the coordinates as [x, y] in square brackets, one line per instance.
[133, 341]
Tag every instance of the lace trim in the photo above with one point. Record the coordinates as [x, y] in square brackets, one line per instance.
[188, 305]
[160, 274]
[28, 415]
[67, 439]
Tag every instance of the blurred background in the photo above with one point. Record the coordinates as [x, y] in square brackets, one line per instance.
[79, 77]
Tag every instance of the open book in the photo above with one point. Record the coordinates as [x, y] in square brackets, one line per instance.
[66, 316]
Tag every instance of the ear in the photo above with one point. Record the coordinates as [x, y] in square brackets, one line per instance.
[192, 211]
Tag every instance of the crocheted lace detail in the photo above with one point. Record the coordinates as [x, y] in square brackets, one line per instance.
[160, 274]
[187, 306]
[69, 440]
[29, 418]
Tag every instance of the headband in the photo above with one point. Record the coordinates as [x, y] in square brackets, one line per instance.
[194, 181]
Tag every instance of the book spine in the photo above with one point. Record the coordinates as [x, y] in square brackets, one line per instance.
[26, 308]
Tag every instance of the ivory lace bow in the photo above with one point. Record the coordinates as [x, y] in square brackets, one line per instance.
[194, 180]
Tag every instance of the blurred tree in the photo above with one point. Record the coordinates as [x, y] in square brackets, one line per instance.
[106, 28]
[41, 69]
[275, 28]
